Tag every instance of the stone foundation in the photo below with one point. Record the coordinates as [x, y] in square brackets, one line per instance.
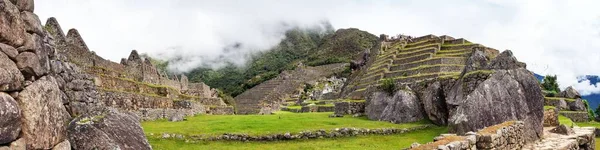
[316, 134]
[221, 110]
[576, 116]
[551, 117]
[349, 108]
[508, 135]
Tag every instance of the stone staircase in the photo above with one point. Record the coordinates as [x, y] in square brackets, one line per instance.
[422, 58]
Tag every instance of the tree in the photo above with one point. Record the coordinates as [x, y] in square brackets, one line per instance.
[550, 86]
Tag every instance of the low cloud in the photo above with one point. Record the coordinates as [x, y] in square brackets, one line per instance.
[552, 37]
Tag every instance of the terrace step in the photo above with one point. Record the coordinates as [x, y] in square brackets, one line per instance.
[456, 41]
[459, 46]
[419, 48]
[425, 70]
[415, 53]
[426, 42]
[412, 59]
[432, 61]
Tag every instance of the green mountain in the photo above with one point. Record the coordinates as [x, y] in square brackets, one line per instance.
[312, 46]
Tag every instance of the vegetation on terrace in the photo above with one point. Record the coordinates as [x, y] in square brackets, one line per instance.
[281, 122]
[370, 142]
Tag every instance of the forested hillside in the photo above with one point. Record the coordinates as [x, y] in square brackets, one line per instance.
[311, 47]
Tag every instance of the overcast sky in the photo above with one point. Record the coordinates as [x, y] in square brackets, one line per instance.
[551, 36]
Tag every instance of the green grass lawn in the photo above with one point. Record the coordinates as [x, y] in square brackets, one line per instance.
[566, 121]
[374, 142]
[281, 122]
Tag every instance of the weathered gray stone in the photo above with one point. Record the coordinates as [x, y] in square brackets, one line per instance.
[178, 116]
[20, 144]
[577, 105]
[506, 60]
[65, 145]
[24, 5]
[33, 43]
[10, 51]
[563, 129]
[108, 129]
[11, 78]
[32, 23]
[10, 115]
[506, 95]
[29, 64]
[570, 92]
[434, 103]
[43, 115]
[402, 107]
[12, 31]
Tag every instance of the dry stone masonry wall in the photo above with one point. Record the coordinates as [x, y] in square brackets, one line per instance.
[134, 84]
[508, 135]
[43, 95]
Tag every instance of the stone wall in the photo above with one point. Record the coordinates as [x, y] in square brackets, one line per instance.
[126, 85]
[315, 134]
[508, 135]
[551, 117]
[576, 116]
[349, 108]
[221, 110]
[316, 108]
[44, 96]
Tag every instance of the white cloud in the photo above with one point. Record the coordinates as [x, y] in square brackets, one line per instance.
[586, 88]
[551, 36]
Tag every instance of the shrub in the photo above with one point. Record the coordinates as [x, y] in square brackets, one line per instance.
[388, 85]
[589, 110]
[549, 84]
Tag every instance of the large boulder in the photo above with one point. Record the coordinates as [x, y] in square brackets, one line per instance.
[563, 129]
[12, 29]
[9, 51]
[29, 64]
[505, 95]
[11, 78]
[570, 92]
[32, 23]
[402, 106]
[44, 117]
[577, 105]
[434, 103]
[108, 129]
[24, 5]
[10, 115]
[506, 60]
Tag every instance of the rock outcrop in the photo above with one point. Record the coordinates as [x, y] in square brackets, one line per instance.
[505, 95]
[403, 106]
[109, 129]
[454, 82]
[44, 115]
[10, 115]
[570, 92]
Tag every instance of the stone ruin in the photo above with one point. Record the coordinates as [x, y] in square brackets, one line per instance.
[450, 81]
[47, 101]
[511, 135]
[135, 84]
[569, 104]
[270, 95]
[57, 94]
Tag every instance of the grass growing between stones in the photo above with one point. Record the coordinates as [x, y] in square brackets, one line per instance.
[281, 122]
[371, 142]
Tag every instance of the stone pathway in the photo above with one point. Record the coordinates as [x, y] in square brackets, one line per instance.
[584, 136]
